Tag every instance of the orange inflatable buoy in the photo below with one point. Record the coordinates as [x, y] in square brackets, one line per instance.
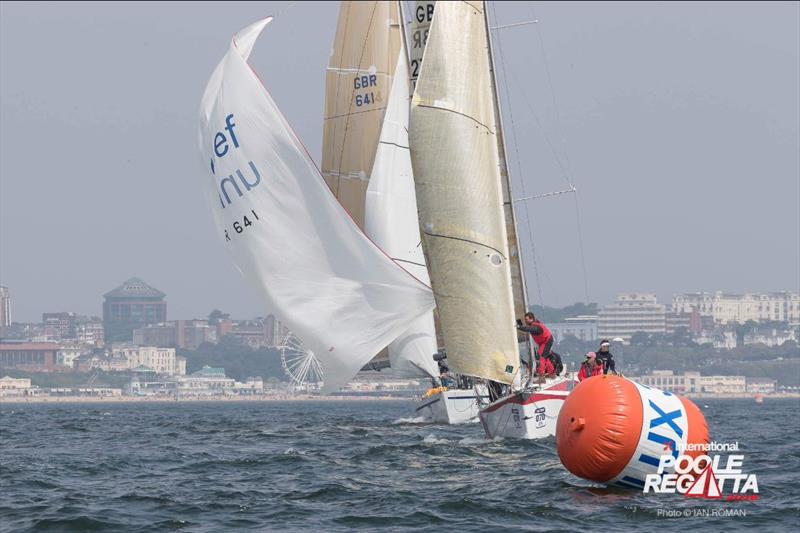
[614, 431]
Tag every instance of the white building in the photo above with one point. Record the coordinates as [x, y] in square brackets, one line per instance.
[693, 382]
[161, 360]
[726, 308]
[721, 340]
[207, 381]
[69, 352]
[631, 313]
[583, 327]
[769, 337]
[761, 385]
[15, 386]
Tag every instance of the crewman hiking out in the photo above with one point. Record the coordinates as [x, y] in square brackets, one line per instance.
[549, 361]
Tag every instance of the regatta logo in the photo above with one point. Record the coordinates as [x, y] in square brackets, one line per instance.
[703, 477]
[225, 142]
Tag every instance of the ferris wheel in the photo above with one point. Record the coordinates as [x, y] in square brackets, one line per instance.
[300, 363]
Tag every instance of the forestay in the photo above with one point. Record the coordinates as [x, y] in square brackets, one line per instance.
[288, 235]
[391, 221]
[357, 84]
[455, 159]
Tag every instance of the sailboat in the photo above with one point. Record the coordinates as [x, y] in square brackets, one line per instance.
[288, 234]
[468, 224]
[367, 165]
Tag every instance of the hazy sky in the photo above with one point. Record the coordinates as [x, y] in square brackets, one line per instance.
[678, 122]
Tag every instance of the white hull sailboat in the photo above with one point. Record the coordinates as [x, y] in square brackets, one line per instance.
[453, 406]
[531, 413]
[467, 218]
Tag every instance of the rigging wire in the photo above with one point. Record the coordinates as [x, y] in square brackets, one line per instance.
[562, 164]
[528, 222]
[566, 155]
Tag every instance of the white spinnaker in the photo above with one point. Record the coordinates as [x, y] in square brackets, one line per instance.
[288, 235]
[455, 157]
[390, 219]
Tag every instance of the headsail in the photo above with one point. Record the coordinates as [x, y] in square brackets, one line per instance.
[460, 195]
[391, 221]
[357, 86]
[287, 233]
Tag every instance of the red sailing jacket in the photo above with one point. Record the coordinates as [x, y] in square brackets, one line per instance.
[584, 373]
[545, 335]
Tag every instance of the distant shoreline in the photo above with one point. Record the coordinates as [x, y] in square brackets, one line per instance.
[162, 399]
[304, 398]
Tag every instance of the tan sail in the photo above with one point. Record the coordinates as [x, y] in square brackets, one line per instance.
[357, 85]
[455, 158]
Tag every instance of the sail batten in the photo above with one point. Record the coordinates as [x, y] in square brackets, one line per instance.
[454, 151]
[357, 84]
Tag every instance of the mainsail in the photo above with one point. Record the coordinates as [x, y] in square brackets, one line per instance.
[357, 84]
[288, 235]
[391, 221]
[454, 152]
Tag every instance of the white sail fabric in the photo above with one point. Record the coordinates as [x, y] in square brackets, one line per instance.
[288, 235]
[455, 158]
[391, 222]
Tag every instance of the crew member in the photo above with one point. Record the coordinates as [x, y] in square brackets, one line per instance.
[590, 367]
[543, 339]
[605, 358]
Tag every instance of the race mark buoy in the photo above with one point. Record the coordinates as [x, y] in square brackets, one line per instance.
[614, 431]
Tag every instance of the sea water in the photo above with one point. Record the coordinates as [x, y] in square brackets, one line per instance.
[331, 466]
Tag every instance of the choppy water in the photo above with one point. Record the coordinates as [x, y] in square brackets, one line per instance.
[328, 466]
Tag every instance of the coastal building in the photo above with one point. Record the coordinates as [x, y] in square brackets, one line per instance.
[187, 334]
[769, 336]
[720, 339]
[69, 352]
[761, 385]
[629, 314]
[207, 381]
[161, 360]
[59, 326]
[726, 308]
[583, 327]
[252, 333]
[693, 382]
[132, 305]
[5, 307]
[678, 321]
[89, 330]
[126, 357]
[15, 386]
[31, 356]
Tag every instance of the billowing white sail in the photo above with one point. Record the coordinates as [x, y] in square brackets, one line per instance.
[454, 152]
[288, 235]
[391, 221]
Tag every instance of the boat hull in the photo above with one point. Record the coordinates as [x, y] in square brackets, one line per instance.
[527, 414]
[457, 406]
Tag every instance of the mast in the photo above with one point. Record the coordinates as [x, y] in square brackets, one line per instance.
[519, 288]
[518, 277]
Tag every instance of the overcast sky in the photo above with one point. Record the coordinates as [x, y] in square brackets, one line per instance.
[679, 123]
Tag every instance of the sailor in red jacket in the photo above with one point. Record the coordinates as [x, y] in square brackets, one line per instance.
[590, 367]
[543, 339]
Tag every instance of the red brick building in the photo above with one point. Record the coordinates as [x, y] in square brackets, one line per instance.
[33, 356]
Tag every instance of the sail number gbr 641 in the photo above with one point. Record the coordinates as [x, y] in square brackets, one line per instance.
[240, 226]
